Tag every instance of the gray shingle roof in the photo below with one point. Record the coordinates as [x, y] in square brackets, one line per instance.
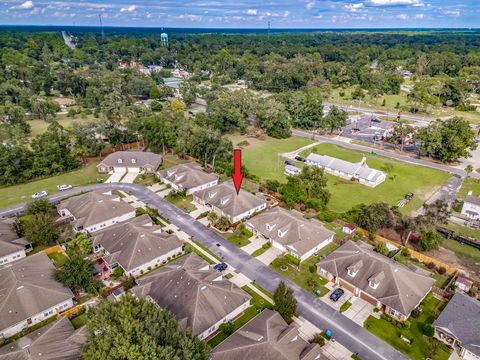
[55, 341]
[461, 318]
[473, 199]
[266, 337]
[10, 242]
[224, 197]
[193, 292]
[401, 288]
[27, 287]
[141, 159]
[135, 242]
[188, 176]
[95, 207]
[300, 234]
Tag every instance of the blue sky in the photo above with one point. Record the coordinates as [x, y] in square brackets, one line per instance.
[245, 13]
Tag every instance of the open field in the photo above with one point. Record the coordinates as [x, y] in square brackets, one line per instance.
[462, 250]
[463, 230]
[39, 126]
[262, 157]
[401, 179]
[11, 195]
[469, 184]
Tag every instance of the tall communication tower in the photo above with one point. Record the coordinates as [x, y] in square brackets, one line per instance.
[268, 30]
[101, 26]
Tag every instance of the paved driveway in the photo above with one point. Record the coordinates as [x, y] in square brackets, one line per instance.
[115, 177]
[256, 243]
[359, 311]
[129, 177]
[268, 256]
[347, 332]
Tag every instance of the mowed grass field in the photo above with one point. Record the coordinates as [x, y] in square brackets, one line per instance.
[39, 126]
[263, 158]
[23, 193]
[401, 179]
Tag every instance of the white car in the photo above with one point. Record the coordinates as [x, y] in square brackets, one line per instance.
[64, 187]
[39, 194]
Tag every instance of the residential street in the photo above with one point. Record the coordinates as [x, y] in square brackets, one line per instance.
[388, 154]
[348, 333]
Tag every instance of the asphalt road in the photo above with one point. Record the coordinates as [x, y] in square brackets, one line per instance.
[348, 333]
[388, 154]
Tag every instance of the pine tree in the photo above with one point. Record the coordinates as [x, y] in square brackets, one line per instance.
[285, 302]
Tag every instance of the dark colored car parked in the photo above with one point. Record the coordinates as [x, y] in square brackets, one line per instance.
[300, 158]
[288, 162]
[336, 294]
[221, 267]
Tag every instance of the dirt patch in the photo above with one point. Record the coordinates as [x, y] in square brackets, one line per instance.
[469, 267]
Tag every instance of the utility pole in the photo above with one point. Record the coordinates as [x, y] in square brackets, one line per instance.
[268, 30]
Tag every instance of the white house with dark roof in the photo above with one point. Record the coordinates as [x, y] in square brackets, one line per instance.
[290, 232]
[347, 170]
[95, 210]
[130, 161]
[29, 294]
[197, 295]
[12, 246]
[458, 326]
[136, 245]
[224, 201]
[471, 207]
[189, 177]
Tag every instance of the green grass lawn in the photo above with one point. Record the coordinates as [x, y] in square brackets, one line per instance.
[345, 306]
[240, 237]
[183, 203]
[59, 258]
[11, 195]
[462, 250]
[39, 126]
[259, 252]
[79, 321]
[257, 303]
[401, 179]
[336, 228]
[303, 277]
[463, 230]
[262, 158]
[421, 347]
[469, 184]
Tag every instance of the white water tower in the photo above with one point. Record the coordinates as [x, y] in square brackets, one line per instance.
[164, 39]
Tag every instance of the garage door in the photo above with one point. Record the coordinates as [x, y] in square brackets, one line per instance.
[347, 286]
[368, 298]
[134, 170]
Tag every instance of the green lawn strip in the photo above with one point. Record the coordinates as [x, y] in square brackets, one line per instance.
[440, 280]
[239, 238]
[23, 192]
[462, 250]
[420, 347]
[183, 203]
[345, 306]
[469, 184]
[79, 321]
[326, 250]
[303, 277]
[262, 289]
[203, 247]
[336, 228]
[262, 157]
[463, 230]
[401, 179]
[259, 252]
[146, 180]
[58, 258]
[257, 302]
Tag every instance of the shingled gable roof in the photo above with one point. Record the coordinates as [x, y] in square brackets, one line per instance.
[135, 242]
[398, 286]
[461, 318]
[95, 207]
[193, 292]
[473, 199]
[10, 242]
[224, 197]
[141, 159]
[266, 337]
[27, 287]
[188, 176]
[299, 234]
[55, 341]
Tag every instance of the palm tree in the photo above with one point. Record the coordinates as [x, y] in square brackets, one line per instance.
[469, 169]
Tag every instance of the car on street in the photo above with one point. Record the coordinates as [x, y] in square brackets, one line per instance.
[288, 162]
[39, 194]
[64, 187]
[220, 267]
[336, 294]
[300, 158]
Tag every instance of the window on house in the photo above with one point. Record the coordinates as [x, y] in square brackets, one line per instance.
[372, 284]
[394, 313]
[352, 273]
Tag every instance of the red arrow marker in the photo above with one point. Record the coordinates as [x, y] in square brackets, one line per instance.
[237, 169]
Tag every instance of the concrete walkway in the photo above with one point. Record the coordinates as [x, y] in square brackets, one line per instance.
[268, 256]
[256, 243]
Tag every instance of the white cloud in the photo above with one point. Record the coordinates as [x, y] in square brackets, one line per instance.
[130, 8]
[191, 17]
[252, 11]
[420, 16]
[353, 7]
[454, 13]
[396, 2]
[26, 5]
[402, 16]
[310, 5]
